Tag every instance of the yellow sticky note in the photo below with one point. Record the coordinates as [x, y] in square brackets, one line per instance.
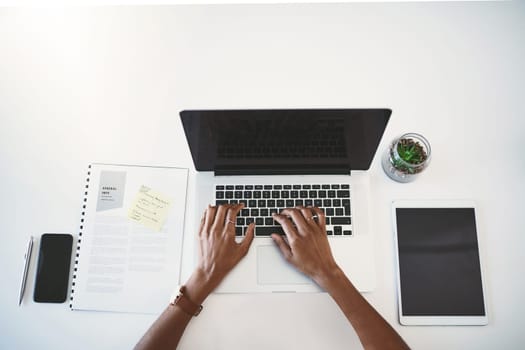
[150, 208]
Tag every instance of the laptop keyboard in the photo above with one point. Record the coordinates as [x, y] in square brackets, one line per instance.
[261, 201]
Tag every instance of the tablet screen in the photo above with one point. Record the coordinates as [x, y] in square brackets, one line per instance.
[439, 263]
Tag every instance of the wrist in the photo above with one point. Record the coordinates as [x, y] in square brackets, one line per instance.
[330, 278]
[199, 286]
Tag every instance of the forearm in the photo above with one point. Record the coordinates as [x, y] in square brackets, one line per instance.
[218, 254]
[167, 330]
[372, 329]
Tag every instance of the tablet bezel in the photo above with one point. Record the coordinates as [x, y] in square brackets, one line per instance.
[437, 320]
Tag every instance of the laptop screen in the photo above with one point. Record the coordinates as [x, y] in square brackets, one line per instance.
[285, 141]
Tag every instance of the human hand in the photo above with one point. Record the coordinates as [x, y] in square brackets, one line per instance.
[219, 252]
[307, 246]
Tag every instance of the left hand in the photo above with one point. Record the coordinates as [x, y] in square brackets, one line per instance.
[219, 252]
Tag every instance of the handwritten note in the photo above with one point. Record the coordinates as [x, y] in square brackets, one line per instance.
[150, 208]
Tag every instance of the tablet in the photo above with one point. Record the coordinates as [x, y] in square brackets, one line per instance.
[439, 273]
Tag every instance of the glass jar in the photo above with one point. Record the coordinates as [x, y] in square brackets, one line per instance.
[406, 157]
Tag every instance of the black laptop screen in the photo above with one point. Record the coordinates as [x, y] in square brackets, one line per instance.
[307, 141]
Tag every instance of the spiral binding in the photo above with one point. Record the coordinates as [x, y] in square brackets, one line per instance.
[83, 213]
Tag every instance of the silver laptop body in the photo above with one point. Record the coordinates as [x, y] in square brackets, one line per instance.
[285, 164]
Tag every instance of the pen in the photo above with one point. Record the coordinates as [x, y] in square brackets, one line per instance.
[27, 258]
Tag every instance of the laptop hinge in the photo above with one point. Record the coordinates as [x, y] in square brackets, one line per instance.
[283, 171]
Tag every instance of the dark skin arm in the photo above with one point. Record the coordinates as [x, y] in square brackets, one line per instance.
[306, 247]
[218, 254]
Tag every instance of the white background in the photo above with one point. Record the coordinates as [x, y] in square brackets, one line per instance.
[105, 84]
[46, 3]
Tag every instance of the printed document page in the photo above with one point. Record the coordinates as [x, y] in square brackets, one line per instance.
[130, 247]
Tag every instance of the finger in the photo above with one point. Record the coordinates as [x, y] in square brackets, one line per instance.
[321, 217]
[248, 238]
[202, 234]
[283, 246]
[297, 218]
[210, 216]
[201, 225]
[233, 211]
[309, 215]
[218, 222]
[287, 225]
[231, 218]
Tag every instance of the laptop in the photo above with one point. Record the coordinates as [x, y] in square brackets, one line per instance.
[271, 159]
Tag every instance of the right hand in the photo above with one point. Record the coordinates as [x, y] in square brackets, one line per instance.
[306, 246]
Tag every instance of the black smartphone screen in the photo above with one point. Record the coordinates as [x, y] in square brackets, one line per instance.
[52, 275]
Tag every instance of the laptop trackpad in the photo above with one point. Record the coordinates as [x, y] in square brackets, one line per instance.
[272, 268]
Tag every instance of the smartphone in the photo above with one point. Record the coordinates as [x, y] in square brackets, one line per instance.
[54, 262]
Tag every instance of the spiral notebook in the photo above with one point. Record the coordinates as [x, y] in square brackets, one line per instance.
[129, 247]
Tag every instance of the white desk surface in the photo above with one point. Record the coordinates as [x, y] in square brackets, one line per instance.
[106, 84]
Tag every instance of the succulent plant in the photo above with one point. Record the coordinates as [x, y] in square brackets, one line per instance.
[411, 152]
[407, 156]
